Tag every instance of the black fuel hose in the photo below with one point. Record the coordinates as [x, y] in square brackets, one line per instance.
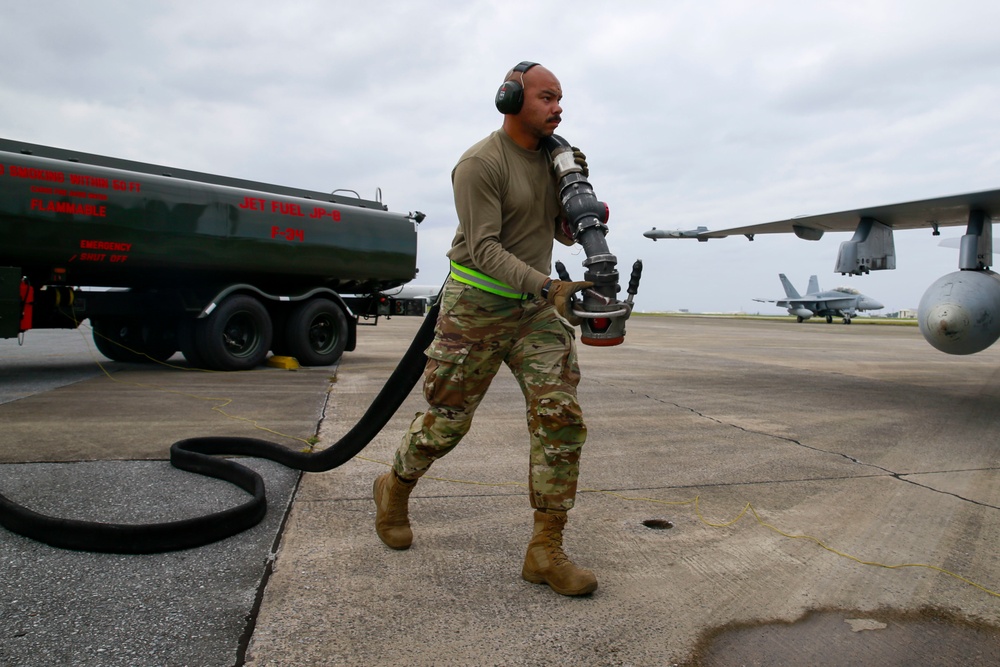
[200, 455]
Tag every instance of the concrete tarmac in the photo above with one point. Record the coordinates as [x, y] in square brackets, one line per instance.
[752, 492]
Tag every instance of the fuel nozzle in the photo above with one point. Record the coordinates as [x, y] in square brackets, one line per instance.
[602, 313]
[603, 318]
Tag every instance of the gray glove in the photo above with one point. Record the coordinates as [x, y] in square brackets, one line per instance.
[560, 292]
[581, 160]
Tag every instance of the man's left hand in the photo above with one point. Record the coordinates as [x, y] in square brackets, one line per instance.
[581, 160]
[560, 294]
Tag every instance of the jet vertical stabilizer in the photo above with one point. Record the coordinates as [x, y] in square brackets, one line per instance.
[790, 291]
[813, 285]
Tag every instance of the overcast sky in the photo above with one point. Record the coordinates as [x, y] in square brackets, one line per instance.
[691, 113]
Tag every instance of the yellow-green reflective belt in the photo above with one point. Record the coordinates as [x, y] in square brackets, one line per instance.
[482, 281]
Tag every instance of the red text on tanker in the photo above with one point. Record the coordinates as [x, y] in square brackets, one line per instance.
[289, 234]
[62, 192]
[114, 246]
[285, 208]
[274, 206]
[319, 212]
[69, 207]
[37, 174]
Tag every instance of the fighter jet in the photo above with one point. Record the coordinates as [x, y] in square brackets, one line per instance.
[655, 233]
[843, 302]
[960, 311]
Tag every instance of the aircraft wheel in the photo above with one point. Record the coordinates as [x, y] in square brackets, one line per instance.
[829, 319]
[799, 319]
[236, 336]
[316, 332]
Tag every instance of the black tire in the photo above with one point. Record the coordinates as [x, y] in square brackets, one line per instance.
[118, 339]
[316, 332]
[236, 336]
[186, 341]
[131, 340]
[829, 319]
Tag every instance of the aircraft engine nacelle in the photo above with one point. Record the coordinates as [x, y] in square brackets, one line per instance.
[960, 312]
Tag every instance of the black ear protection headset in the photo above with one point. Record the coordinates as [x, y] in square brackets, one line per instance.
[510, 96]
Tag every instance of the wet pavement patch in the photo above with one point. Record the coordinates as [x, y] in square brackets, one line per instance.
[844, 637]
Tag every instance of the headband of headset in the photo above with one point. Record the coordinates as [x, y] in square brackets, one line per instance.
[510, 95]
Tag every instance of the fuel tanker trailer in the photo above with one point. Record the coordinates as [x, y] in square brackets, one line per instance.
[161, 259]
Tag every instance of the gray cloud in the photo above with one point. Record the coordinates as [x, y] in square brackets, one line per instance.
[714, 113]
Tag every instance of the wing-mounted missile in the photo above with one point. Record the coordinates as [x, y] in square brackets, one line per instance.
[871, 249]
[655, 233]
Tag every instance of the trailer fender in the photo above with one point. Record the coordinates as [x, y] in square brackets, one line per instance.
[247, 288]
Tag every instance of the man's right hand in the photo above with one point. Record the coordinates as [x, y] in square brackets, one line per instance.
[560, 292]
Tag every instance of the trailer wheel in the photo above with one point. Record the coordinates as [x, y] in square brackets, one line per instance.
[316, 332]
[236, 336]
[186, 341]
[132, 340]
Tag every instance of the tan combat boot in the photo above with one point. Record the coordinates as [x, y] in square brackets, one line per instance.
[546, 563]
[392, 524]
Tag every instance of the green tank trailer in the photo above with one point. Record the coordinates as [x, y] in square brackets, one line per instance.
[161, 259]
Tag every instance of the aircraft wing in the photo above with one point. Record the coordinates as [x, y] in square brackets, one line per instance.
[822, 299]
[813, 302]
[940, 211]
[825, 303]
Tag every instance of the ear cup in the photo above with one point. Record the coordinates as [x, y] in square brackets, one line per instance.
[510, 97]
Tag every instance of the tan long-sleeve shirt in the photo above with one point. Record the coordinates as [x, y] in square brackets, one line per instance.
[508, 210]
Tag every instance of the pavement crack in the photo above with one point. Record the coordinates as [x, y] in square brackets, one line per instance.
[903, 477]
[900, 476]
[775, 436]
[326, 405]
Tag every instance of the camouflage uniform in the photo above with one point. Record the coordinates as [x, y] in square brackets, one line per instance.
[475, 332]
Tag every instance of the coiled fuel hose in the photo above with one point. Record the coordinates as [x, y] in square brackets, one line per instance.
[201, 456]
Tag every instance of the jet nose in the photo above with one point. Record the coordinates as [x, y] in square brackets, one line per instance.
[874, 305]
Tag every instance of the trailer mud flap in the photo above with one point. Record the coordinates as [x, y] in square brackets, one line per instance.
[12, 296]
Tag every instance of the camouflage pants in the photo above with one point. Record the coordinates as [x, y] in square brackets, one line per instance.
[475, 332]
